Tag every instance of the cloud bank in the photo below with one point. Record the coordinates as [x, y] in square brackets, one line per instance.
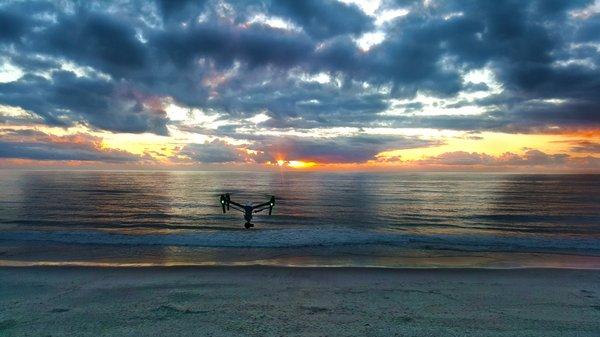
[526, 67]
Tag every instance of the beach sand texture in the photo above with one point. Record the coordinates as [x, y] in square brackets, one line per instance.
[267, 301]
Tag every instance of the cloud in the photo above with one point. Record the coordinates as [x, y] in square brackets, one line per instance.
[529, 158]
[459, 158]
[66, 99]
[36, 145]
[308, 105]
[165, 49]
[344, 149]
[114, 65]
[585, 146]
[95, 39]
[216, 151]
[268, 148]
[12, 25]
[323, 19]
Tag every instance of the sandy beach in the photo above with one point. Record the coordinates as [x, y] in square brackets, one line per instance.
[267, 301]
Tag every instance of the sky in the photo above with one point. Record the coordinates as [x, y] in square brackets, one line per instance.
[301, 85]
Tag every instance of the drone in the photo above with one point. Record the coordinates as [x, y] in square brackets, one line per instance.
[248, 209]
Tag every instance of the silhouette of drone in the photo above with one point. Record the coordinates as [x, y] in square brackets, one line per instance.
[248, 209]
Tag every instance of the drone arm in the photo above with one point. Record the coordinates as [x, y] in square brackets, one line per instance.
[237, 208]
[265, 205]
[236, 204]
[256, 209]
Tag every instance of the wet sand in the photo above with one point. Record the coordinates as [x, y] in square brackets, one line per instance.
[271, 301]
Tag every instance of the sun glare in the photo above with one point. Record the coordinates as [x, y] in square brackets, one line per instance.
[301, 164]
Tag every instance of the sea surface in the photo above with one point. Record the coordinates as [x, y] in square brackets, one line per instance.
[148, 218]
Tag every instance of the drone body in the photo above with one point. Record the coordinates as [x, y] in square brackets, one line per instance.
[247, 209]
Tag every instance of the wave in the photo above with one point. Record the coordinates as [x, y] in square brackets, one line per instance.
[317, 237]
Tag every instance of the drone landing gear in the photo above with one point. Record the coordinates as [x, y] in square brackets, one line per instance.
[248, 225]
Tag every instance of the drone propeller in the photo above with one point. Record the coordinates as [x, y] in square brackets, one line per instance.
[225, 199]
[271, 204]
[223, 202]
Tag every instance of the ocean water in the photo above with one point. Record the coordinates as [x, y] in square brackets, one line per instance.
[141, 218]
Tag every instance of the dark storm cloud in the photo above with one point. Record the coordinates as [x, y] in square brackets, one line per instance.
[319, 18]
[491, 121]
[528, 44]
[257, 45]
[589, 30]
[98, 40]
[12, 25]
[66, 98]
[209, 55]
[179, 9]
[35, 145]
[308, 105]
[323, 18]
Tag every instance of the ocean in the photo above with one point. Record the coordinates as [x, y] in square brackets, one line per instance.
[417, 220]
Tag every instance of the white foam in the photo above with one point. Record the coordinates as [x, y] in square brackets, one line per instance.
[316, 237]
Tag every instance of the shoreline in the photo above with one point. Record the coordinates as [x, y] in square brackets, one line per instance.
[275, 301]
[137, 266]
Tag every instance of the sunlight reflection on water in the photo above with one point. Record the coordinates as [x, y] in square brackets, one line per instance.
[320, 218]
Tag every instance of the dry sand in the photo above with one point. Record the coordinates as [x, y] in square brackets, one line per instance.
[265, 301]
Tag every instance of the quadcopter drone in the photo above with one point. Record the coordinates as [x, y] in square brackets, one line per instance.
[248, 209]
